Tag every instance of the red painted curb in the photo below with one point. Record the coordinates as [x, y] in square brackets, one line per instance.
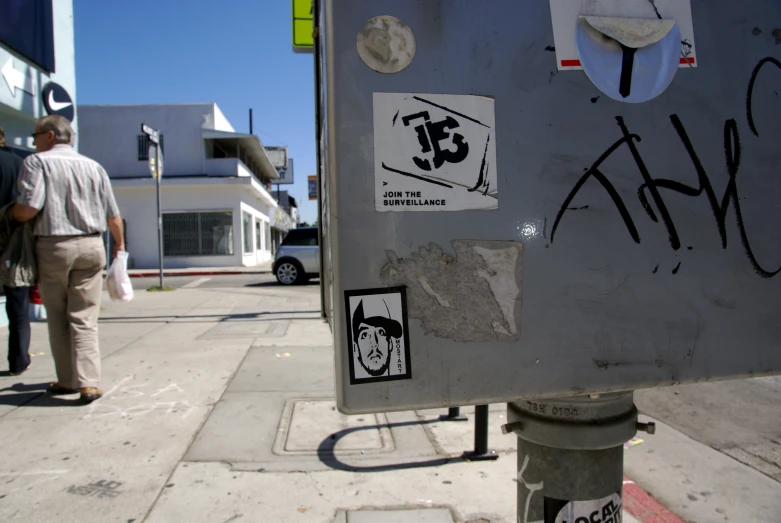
[643, 507]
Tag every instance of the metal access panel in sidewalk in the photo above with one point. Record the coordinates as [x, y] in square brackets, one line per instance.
[548, 198]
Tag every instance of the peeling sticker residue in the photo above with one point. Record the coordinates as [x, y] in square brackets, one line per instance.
[502, 282]
[475, 296]
[432, 292]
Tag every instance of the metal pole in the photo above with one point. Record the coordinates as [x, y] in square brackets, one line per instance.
[571, 456]
[318, 159]
[481, 452]
[159, 217]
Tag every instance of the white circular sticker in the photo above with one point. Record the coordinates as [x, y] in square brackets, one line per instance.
[386, 44]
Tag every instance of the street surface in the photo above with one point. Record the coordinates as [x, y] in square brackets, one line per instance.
[219, 408]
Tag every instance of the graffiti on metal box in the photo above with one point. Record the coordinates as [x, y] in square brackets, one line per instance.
[651, 190]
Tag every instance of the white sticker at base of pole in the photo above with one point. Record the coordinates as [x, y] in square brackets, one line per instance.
[604, 510]
[434, 152]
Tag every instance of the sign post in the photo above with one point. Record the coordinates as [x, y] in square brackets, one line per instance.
[156, 168]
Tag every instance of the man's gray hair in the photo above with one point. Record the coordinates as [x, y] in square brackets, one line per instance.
[63, 132]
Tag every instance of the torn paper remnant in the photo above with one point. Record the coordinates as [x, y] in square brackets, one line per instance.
[475, 296]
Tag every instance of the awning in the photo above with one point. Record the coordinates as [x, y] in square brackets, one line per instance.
[249, 143]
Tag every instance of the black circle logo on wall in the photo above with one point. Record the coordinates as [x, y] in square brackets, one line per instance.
[57, 101]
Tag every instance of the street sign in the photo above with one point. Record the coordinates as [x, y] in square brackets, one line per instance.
[155, 153]
[154, 135]
[155, 169]
[286, 175]
[302, 26]
[277, 155]
[312, 183]
[551, 238]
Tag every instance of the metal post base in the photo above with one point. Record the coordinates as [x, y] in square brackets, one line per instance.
[571, 456]
[453, 414]
[471, 455]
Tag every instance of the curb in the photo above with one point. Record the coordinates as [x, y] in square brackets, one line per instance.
[195, 273]
[643, 507]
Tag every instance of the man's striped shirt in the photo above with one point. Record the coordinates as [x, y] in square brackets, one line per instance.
[72, 192]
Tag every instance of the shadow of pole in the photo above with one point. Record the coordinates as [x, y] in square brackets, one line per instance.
[326, 455]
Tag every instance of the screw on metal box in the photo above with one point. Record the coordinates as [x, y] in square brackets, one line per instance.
[649, 428]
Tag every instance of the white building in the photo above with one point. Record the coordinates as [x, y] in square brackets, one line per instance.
[217, 210]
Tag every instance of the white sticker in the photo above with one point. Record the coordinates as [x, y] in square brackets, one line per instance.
[565, 13]
[434, 152]
[605, 510]
[377, 335]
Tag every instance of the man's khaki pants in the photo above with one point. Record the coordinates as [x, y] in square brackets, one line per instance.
[70, 280]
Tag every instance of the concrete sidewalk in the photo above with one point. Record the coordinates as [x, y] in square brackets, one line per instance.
[219, 407]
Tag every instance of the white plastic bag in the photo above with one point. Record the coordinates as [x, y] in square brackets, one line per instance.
[118, 281]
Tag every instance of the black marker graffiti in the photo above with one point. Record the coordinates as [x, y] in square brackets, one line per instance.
[653, 186]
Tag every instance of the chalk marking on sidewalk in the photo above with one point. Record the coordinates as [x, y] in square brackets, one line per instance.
[196, 283]
[33, 473]
[113, 389]
[44, 476]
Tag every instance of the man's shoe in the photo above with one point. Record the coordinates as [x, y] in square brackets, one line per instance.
[55, 389]
[19, 372]
[90, 394]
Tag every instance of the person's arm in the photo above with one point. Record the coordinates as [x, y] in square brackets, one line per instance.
[113, 217]
[118, 232]
[32, 190]
[23, 213]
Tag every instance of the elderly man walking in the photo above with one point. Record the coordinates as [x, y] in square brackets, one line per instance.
[70, 197]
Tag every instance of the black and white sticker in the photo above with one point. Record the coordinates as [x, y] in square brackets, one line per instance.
[377, 335]
[604, 510]
[434, 152]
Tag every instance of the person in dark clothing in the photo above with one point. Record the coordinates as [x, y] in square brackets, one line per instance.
[17, 299]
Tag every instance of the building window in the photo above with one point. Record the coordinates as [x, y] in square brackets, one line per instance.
[258, 237]
[247, 230]
[268, 239]
[198, 233]
[143, 147]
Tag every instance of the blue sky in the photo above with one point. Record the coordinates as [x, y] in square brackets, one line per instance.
[236, 53]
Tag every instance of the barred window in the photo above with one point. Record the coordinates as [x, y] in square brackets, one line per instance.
[198, 233]
[143, 147]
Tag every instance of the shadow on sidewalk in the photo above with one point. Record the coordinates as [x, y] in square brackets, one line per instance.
[26, 394]
[310, 283]
[325, 451]
[256, 316]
